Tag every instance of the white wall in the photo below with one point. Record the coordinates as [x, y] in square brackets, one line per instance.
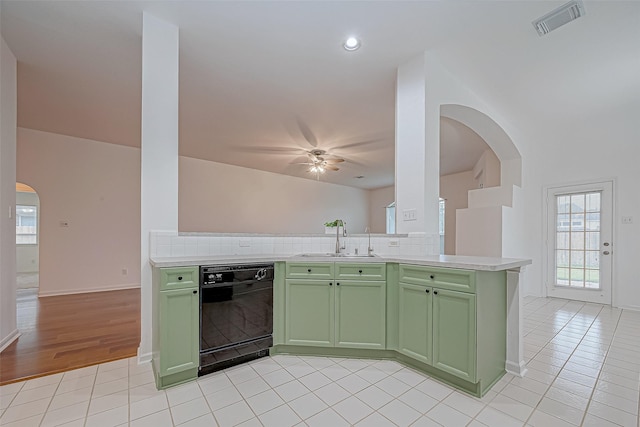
[455, 189]
[588, 149]
[379, 199]
[486, 171]
[94, 186]
[216, 197]
[27, 255]
[8, 93]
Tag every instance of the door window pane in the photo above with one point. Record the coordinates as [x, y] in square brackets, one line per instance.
[26, 225]
[578, 240]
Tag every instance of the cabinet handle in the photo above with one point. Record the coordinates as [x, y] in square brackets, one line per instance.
[195, 292]
[338, 284]
[330, 283]
[179, 277]
[427, 290]
[435, 292]
[308, 270]
[432, 277]
[360, 271]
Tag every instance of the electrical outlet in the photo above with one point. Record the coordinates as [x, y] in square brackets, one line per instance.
[409, 215]
[244, 243]
[393, 243]
[125, 271]
[627, 220]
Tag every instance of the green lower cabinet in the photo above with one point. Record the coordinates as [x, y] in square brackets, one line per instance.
[454, 333]
[179, 331]
[309, 312]
[360, 314]
[415, 325]
[326, 313]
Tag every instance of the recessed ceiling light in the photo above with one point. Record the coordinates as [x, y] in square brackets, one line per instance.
[351, 43]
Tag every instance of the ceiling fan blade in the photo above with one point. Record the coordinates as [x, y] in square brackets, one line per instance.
[332, 161]
[361, 143]
[299, 159]
[307, 133]
[270, 150]
[331, 168]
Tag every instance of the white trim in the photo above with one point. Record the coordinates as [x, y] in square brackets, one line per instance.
[144, 357]
[518, 369]
[89, 290]
[9, 339]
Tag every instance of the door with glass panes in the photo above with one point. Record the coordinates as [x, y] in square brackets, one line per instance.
[579, 242]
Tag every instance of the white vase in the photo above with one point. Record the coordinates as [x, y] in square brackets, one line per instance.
[329, 230]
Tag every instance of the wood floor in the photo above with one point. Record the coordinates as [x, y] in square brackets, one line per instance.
[67, 332]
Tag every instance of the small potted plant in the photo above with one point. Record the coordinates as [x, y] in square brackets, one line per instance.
[330, 227]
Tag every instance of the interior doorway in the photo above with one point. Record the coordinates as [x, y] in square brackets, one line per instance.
[579, 241]
[27, 239]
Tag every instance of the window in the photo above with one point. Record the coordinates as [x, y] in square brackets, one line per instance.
[391, 218]
[26, 225]
[441, 224]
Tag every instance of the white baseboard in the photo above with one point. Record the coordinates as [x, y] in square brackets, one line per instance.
[6, 342]
[89, 290]
[144, 357]
[515, 368]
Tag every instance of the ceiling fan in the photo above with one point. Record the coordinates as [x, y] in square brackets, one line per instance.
[319, 164]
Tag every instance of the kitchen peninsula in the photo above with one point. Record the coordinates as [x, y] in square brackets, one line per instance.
[456, 318]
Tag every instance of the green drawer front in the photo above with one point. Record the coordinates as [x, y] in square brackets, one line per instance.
[309, 270]
[445, 278]
[178, 278]
[364, 271]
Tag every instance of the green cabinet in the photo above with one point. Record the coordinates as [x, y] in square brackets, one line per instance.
[333, 312]
[415, 323]
[176, 330]
[455, 321]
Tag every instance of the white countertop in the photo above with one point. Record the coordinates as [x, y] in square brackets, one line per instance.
[450, 261]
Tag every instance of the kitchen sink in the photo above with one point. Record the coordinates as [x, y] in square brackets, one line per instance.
[334, 255]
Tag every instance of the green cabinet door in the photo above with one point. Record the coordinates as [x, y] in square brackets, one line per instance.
[454, 333]
[179, 330]
[360, 314]
[414, 325]
[309, 312]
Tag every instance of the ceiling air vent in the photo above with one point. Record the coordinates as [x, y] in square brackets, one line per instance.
[558, 17]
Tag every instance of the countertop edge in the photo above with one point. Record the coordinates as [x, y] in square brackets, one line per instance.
[448, 261]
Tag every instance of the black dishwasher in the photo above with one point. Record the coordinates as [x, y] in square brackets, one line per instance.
[236, 314]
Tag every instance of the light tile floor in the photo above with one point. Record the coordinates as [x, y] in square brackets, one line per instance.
[584, 369]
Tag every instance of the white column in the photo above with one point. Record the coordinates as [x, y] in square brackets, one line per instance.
[417, 147]
[8, 122]
[515, 349]
[159, 151]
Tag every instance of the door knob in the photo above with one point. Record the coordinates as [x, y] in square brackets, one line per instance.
[606, 253]
[606, 243]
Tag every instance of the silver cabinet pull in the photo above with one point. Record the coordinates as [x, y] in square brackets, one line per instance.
[606, 253]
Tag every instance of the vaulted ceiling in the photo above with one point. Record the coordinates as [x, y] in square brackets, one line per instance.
[260, 82]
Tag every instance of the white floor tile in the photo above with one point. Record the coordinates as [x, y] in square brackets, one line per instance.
[189, 410]
[464, 403]
[204, 421]
[332, 394]
[291, 390]
[393, 386]
[145, 407]
[352, 383]
[314, 381]
[327, 418]
[183, 393]
[307, 405]
[26, 396]
[27, 410]
[282, 416]
[400, 413]
[511, 407]
[109, 418]
[612, 414]
[560, 410]
[264, 402]
[64, 415]
[42, 381]
[374, 397]
[222, 398]
[434, 389]
[233, 414]
[252, 387]
[67, 399]
[157, 419]
[352, 409]
[418, 400]
[277, 377]
[447, 416]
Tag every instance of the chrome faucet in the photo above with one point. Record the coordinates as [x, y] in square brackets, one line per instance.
[340, 222]
[369, 248]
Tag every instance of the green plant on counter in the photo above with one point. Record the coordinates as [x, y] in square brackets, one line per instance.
[333, 223]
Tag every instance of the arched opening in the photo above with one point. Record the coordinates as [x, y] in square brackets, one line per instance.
[27, 240]
[488, 226]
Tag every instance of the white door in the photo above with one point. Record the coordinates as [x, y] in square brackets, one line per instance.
[579, 242]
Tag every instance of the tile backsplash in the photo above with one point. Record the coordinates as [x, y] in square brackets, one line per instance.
[173, 244]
